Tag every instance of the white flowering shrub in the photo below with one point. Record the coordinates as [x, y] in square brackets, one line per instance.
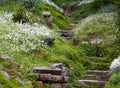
[84, 2]
[115, 65]
[49, 2]
[15, 37]
[96, 24]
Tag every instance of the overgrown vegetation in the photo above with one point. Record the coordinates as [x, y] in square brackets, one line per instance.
[22, 27]
[92, 8]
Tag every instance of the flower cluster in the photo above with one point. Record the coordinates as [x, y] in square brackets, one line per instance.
[115, 65]
[17, 37]
[49, 2]
[85, 1]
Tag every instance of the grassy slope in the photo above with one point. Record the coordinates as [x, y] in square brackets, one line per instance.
[59, 20]
[87, 9]
[60, 2]
[103, 25]
[13, 38]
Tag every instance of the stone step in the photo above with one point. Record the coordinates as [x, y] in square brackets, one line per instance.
[97, 72]
[96, 77]
[99, 59]
[96, 63]
[89, 77]
[46, 70]
[63, 31]
[92, 82]
[50, 77]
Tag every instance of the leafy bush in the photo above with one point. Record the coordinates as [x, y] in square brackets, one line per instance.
[20, 16]
[92, 50]
[88, 9]
[114, 81]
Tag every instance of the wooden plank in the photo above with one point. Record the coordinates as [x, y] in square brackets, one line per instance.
[47, 70]
[50, 78]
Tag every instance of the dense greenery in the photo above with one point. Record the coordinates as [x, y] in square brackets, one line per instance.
[88, 9]
[59, 20]
[22, 42]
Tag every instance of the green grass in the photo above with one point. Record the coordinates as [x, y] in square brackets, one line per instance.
[92, 8]
[59, 20]
[102, 26]
[61, 2]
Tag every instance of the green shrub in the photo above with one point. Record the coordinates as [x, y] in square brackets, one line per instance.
[114, 81]
[92, 50]
[20, 16]
[59, 20]
[88, 9]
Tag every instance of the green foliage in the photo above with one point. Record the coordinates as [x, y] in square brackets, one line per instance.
[107, 9]
[12, 83]
[20, 16]
[91, 8]
[61, 2]
[114, 81]
[106, 59]
[117, 3]
[59, 20]
[92, 50]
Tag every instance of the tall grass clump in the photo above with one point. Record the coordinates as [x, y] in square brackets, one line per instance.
[102, 26]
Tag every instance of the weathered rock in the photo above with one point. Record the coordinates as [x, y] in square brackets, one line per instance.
[48, 41]
[51, 19]
[97, 72]
[20, 81]
[50, 77]
[49, 24]
[1, 85]
[46, 14]
[30, 84]
[64, 69]
[75, 22]
[93, 82]
[6, 58]
[40, 84]
[6, 75]
[59, 85]
[9, 59]
[47, 70]
[96, 40]
[75, 42]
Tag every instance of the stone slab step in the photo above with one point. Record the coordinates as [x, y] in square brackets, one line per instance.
[89, 77]
[47, 70]
[50, 77]
[97, 72]
[92, 82]
[96, 77]
[95, 63]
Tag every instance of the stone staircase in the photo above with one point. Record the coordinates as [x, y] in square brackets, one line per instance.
[96, 78]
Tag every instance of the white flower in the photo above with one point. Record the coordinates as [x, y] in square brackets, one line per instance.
[115, 65]
[16, 37]
[49, 2]
[84, 2]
